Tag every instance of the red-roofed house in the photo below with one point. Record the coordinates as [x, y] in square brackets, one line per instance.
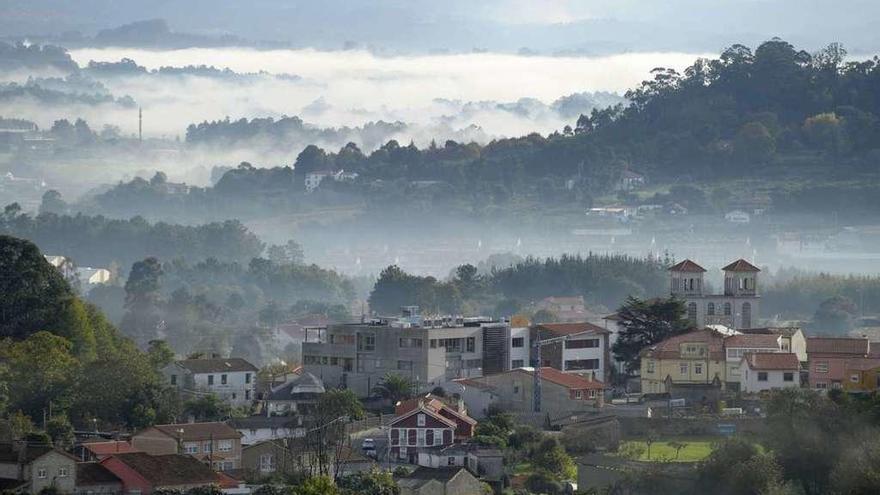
[465, 425]
[828, 357]
[738, 346]
[145, 473]
[767, 371]
[419, 429]
[585, 350]
[862, 375]
[693, 358]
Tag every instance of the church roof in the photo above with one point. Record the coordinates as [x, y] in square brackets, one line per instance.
[741, 265]
[687, 266]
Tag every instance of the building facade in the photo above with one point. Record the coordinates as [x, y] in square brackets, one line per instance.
[693, 358]
[216, 444]
[231, 379]
[768, 371]
[737, 307]
[584, 348]
[427, 351]
[829, 357]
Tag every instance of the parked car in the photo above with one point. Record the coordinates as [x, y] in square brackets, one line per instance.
[368, 446]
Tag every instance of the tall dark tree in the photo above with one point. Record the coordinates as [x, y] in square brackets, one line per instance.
[645, 323]
[142, 319]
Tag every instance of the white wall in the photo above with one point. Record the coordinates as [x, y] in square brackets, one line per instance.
[235, 386]
[750, 383]
[588, 353]
[519, 353]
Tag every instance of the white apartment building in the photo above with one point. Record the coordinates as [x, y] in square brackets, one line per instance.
[231, 379]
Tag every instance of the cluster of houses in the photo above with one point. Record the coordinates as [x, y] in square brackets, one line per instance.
[726, 352]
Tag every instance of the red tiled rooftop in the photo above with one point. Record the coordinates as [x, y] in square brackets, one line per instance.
[757, 341]
[837, 345]
[107, 448]
[567, 380]
[687, 266]
[772, 361]
[671, 347]
[741, 265]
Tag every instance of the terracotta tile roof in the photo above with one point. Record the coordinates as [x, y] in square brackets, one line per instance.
[217, 365]
[571, 328]
[568, 380]
[167, 470]
[862, 364]
[432, 403]
[837, 345]
[687, 266]
[107, 448]
[757, 341]
[741, 265]
[671, 347]
[93, 473]
[199, 431]
[772, 361]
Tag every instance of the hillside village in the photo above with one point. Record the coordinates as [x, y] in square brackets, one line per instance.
[426, 393]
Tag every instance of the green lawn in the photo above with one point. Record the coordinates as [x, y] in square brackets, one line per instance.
[695, 449]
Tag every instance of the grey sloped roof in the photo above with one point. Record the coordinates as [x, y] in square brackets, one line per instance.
[228, 365]
[304, 386]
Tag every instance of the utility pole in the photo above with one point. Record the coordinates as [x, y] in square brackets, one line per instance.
[537, 373]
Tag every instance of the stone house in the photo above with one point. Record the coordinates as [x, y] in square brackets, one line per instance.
[445, 481]
[29, 468]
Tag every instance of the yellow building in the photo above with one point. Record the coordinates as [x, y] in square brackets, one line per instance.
[693, 358]
[862, 375]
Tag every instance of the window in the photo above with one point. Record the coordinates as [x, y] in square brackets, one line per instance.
[821, 367]
[412, 435]
[429, 437]
[581, 344]
[174, 379]
[747, 315]
[438, 436]
[452, 345]
[683, 368]
[334, 361]
[692, 312]
[210, 379]
[247, 377]
[854, 378]
[41, 473]
[516, 363]
[366, 342]
[710, 309]
[727, 309]
[267, 463]
[223, 379]
[207, 447]
[788, 376]
[62, 472]
[403, 452]
[471, 344]
[191, 448]
[421, 420]
[762, 376]
[404, 365]
[224, 445]
[421, 440]
[578, 395]
[821, 385]
[581, 364]
[650, 367]
[450, 461]
[433, 343]
[592, 394]
[698, 368]
[517, 342]
[403, 342]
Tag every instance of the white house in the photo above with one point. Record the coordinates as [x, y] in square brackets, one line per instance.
[767, 371]
[739, 345]
[256, 429]
[737, 216]
[231, 379]
[93, 276]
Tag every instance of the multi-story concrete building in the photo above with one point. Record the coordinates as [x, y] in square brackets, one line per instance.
[584, 350]
[428, 351]
[737, 307]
